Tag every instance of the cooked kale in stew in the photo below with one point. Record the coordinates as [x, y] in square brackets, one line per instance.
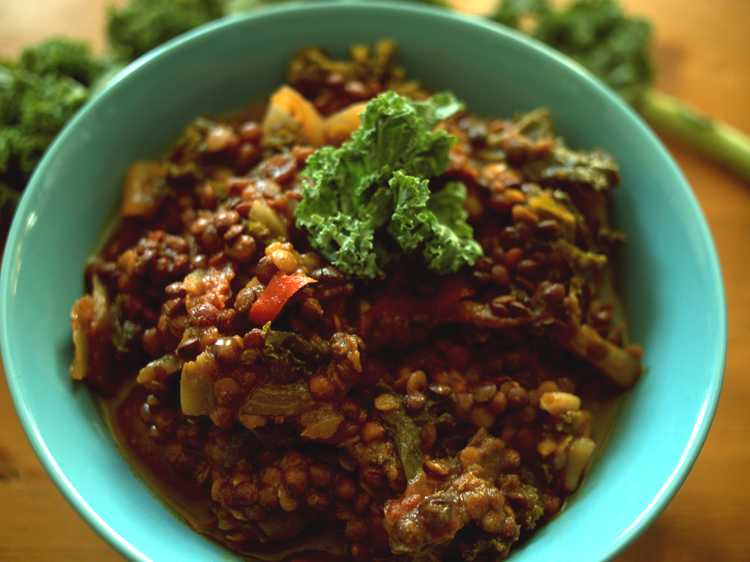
[363, 312]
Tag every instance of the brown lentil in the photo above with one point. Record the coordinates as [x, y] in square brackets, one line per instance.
[189, 347]
[243, 248]
[296, 480]
[344, 488]
[227, 350]
[317, 500]
[247, 493]
[517, 397]
[321, 476]
[321, 387]
[498, 403]
[415, 401]
[387, 402]
[226, 390]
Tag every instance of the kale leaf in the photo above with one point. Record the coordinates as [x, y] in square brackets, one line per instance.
[142, 25]
[290, 347]
[49, 82]
[515, 13]
[373, 191]
[38, 94]
[595, 33]
[60, 57]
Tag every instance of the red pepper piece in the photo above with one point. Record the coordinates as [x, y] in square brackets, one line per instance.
[275, 296]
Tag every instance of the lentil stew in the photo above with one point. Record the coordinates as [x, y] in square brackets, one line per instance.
[411, 415]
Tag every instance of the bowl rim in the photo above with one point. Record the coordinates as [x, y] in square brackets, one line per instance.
[102, 528]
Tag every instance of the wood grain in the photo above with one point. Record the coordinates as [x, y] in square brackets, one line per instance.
[702, 54]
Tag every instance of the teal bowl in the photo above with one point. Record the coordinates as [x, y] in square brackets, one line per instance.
[669, 269]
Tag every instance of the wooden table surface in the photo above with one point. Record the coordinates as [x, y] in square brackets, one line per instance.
[702, 54]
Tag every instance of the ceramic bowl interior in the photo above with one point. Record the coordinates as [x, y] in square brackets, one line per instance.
[668, 271]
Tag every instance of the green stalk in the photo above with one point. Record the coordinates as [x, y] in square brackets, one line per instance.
[714, 138]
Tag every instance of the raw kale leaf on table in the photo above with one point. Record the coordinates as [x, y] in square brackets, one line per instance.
[38, 94]
[49, 82]
[595, 33]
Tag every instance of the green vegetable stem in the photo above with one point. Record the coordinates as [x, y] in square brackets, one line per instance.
[712, 137]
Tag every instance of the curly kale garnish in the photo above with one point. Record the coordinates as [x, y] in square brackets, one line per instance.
[374, 192]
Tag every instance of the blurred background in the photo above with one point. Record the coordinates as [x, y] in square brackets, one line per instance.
[700, 53]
